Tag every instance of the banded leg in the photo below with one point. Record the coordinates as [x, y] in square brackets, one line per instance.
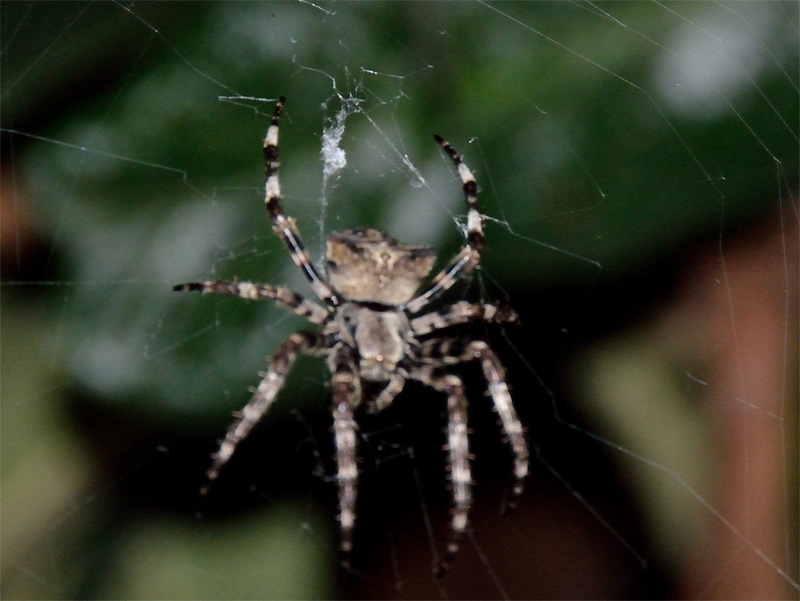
[284, 297]
[463, 312]
[284, 226]
[346, 398]
[451, 351]
[494, 374]
[458, 462]
[262, 399]
[470, 255]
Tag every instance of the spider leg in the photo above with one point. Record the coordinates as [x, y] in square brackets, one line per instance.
[494, 374]
[284, 297]
[285, 227]
[463, 312]
[470, 255]
[262, 399]
[346, 398]
[450, 352]
[457, 457]
[387, 395]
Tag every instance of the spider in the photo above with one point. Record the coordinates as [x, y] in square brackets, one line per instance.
[376, 339]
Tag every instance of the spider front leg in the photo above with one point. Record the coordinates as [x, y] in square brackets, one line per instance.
[285, 227]
[263, 397]
[470, 255]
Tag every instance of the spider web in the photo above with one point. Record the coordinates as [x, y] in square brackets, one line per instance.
[638, 165]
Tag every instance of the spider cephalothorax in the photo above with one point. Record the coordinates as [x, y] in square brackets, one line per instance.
[375, 340]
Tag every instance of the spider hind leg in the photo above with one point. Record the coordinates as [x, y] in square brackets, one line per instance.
[458, 458]
[494, 374]
[346, 398]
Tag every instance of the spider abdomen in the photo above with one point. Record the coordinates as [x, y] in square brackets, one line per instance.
[365, 265]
